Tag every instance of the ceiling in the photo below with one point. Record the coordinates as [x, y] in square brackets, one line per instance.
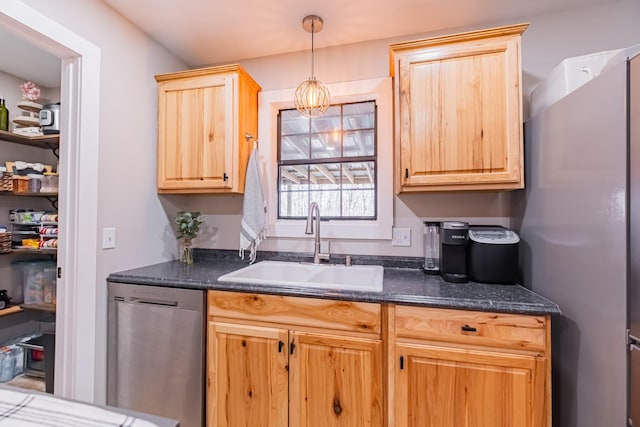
[208, 32]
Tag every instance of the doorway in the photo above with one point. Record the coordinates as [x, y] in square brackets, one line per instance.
[75, 352]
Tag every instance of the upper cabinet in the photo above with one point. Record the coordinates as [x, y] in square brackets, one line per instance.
[458, 111]
[203, 117]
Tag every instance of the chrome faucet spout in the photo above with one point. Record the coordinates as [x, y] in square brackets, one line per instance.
[314, 213]
[313, 209]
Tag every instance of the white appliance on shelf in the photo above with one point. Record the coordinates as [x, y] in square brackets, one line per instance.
[580, 223]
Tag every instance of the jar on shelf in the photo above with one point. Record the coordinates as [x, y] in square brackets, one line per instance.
[49, 183]
[34, 183]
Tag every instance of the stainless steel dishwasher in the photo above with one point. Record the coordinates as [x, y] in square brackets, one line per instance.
[156, 351]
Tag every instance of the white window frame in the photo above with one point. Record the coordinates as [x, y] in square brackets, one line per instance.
[271, 102]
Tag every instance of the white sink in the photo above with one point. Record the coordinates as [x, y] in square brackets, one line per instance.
[282, 273]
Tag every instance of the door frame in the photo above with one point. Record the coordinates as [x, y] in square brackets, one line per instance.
[75, 356]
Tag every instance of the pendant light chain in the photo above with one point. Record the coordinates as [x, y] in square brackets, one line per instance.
[313, 30]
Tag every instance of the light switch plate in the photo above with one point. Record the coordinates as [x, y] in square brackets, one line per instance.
[108, 238]
[401, 237]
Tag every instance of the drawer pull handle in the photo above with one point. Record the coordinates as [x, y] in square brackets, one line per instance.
[468, 328]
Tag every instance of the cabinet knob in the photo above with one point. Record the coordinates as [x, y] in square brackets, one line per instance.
[468, 328]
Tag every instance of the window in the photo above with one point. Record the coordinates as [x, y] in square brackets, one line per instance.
[330, 160]
[364, 224]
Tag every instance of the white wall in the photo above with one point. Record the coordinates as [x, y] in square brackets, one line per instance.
[549, 39]
[127, 155]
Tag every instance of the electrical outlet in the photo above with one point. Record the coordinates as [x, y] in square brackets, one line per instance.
[401, 237]
[108, 238]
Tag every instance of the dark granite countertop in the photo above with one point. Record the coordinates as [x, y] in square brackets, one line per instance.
[404, 283]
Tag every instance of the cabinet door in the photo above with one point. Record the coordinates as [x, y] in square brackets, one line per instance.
[335, 381]
[460, 120]
[448, 387]
[196, 133]
[247, 376]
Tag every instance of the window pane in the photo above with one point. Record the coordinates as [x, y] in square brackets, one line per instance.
[325, 176]
[359, 116]
[294, 147]
[359, 143]
[292, 176]
[294, 203]
[358, 175]
[293, 123]
[324, 145]
[327, 122]
[358, 203]
[328, 201]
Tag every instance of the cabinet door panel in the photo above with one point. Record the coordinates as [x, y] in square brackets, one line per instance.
[457, 119]
[195, 135]
[458, 103]
[195, 130]
[247, 376]
[441, 387]
[335, 381]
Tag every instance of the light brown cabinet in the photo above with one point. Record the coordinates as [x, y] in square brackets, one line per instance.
[203, 116]
[458, 111]
[460, 368]
[279, 361]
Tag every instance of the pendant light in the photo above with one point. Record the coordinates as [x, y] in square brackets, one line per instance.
[312, 97]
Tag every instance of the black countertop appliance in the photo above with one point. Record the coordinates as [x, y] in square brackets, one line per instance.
[492, 255]
[453, 251]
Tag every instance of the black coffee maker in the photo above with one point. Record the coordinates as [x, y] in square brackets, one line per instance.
[453, 251]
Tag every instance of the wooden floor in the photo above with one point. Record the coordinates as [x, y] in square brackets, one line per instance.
[27, 382]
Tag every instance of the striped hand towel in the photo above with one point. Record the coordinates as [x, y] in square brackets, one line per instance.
[254, 209]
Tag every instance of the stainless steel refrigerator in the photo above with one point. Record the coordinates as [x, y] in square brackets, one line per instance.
[579, 220]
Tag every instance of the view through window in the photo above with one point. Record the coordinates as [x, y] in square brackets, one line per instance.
[330, 160]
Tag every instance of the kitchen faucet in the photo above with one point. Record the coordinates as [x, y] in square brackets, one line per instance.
[314, 210]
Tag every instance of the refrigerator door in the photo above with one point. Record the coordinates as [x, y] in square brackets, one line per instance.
[633, 291]
[575, 229]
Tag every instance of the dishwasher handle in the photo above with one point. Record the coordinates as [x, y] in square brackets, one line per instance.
[164, 303]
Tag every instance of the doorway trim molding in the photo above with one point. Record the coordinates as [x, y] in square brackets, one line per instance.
[76, 323]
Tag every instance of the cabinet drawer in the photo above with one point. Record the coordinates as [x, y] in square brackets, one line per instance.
[472, 327]
[319, 313]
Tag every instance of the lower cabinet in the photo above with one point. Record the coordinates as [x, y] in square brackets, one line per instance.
[307, 363]
[276, 361]
[464, 368]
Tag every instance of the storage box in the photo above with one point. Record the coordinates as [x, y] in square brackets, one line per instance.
[35, 275]
[6, 181]
[5, 242]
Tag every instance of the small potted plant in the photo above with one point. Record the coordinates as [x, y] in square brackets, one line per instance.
[188, 227]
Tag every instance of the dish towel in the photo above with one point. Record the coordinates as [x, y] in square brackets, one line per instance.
[19, 409]
[254, 209]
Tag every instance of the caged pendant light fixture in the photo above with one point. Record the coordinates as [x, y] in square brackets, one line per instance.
[312, 97]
